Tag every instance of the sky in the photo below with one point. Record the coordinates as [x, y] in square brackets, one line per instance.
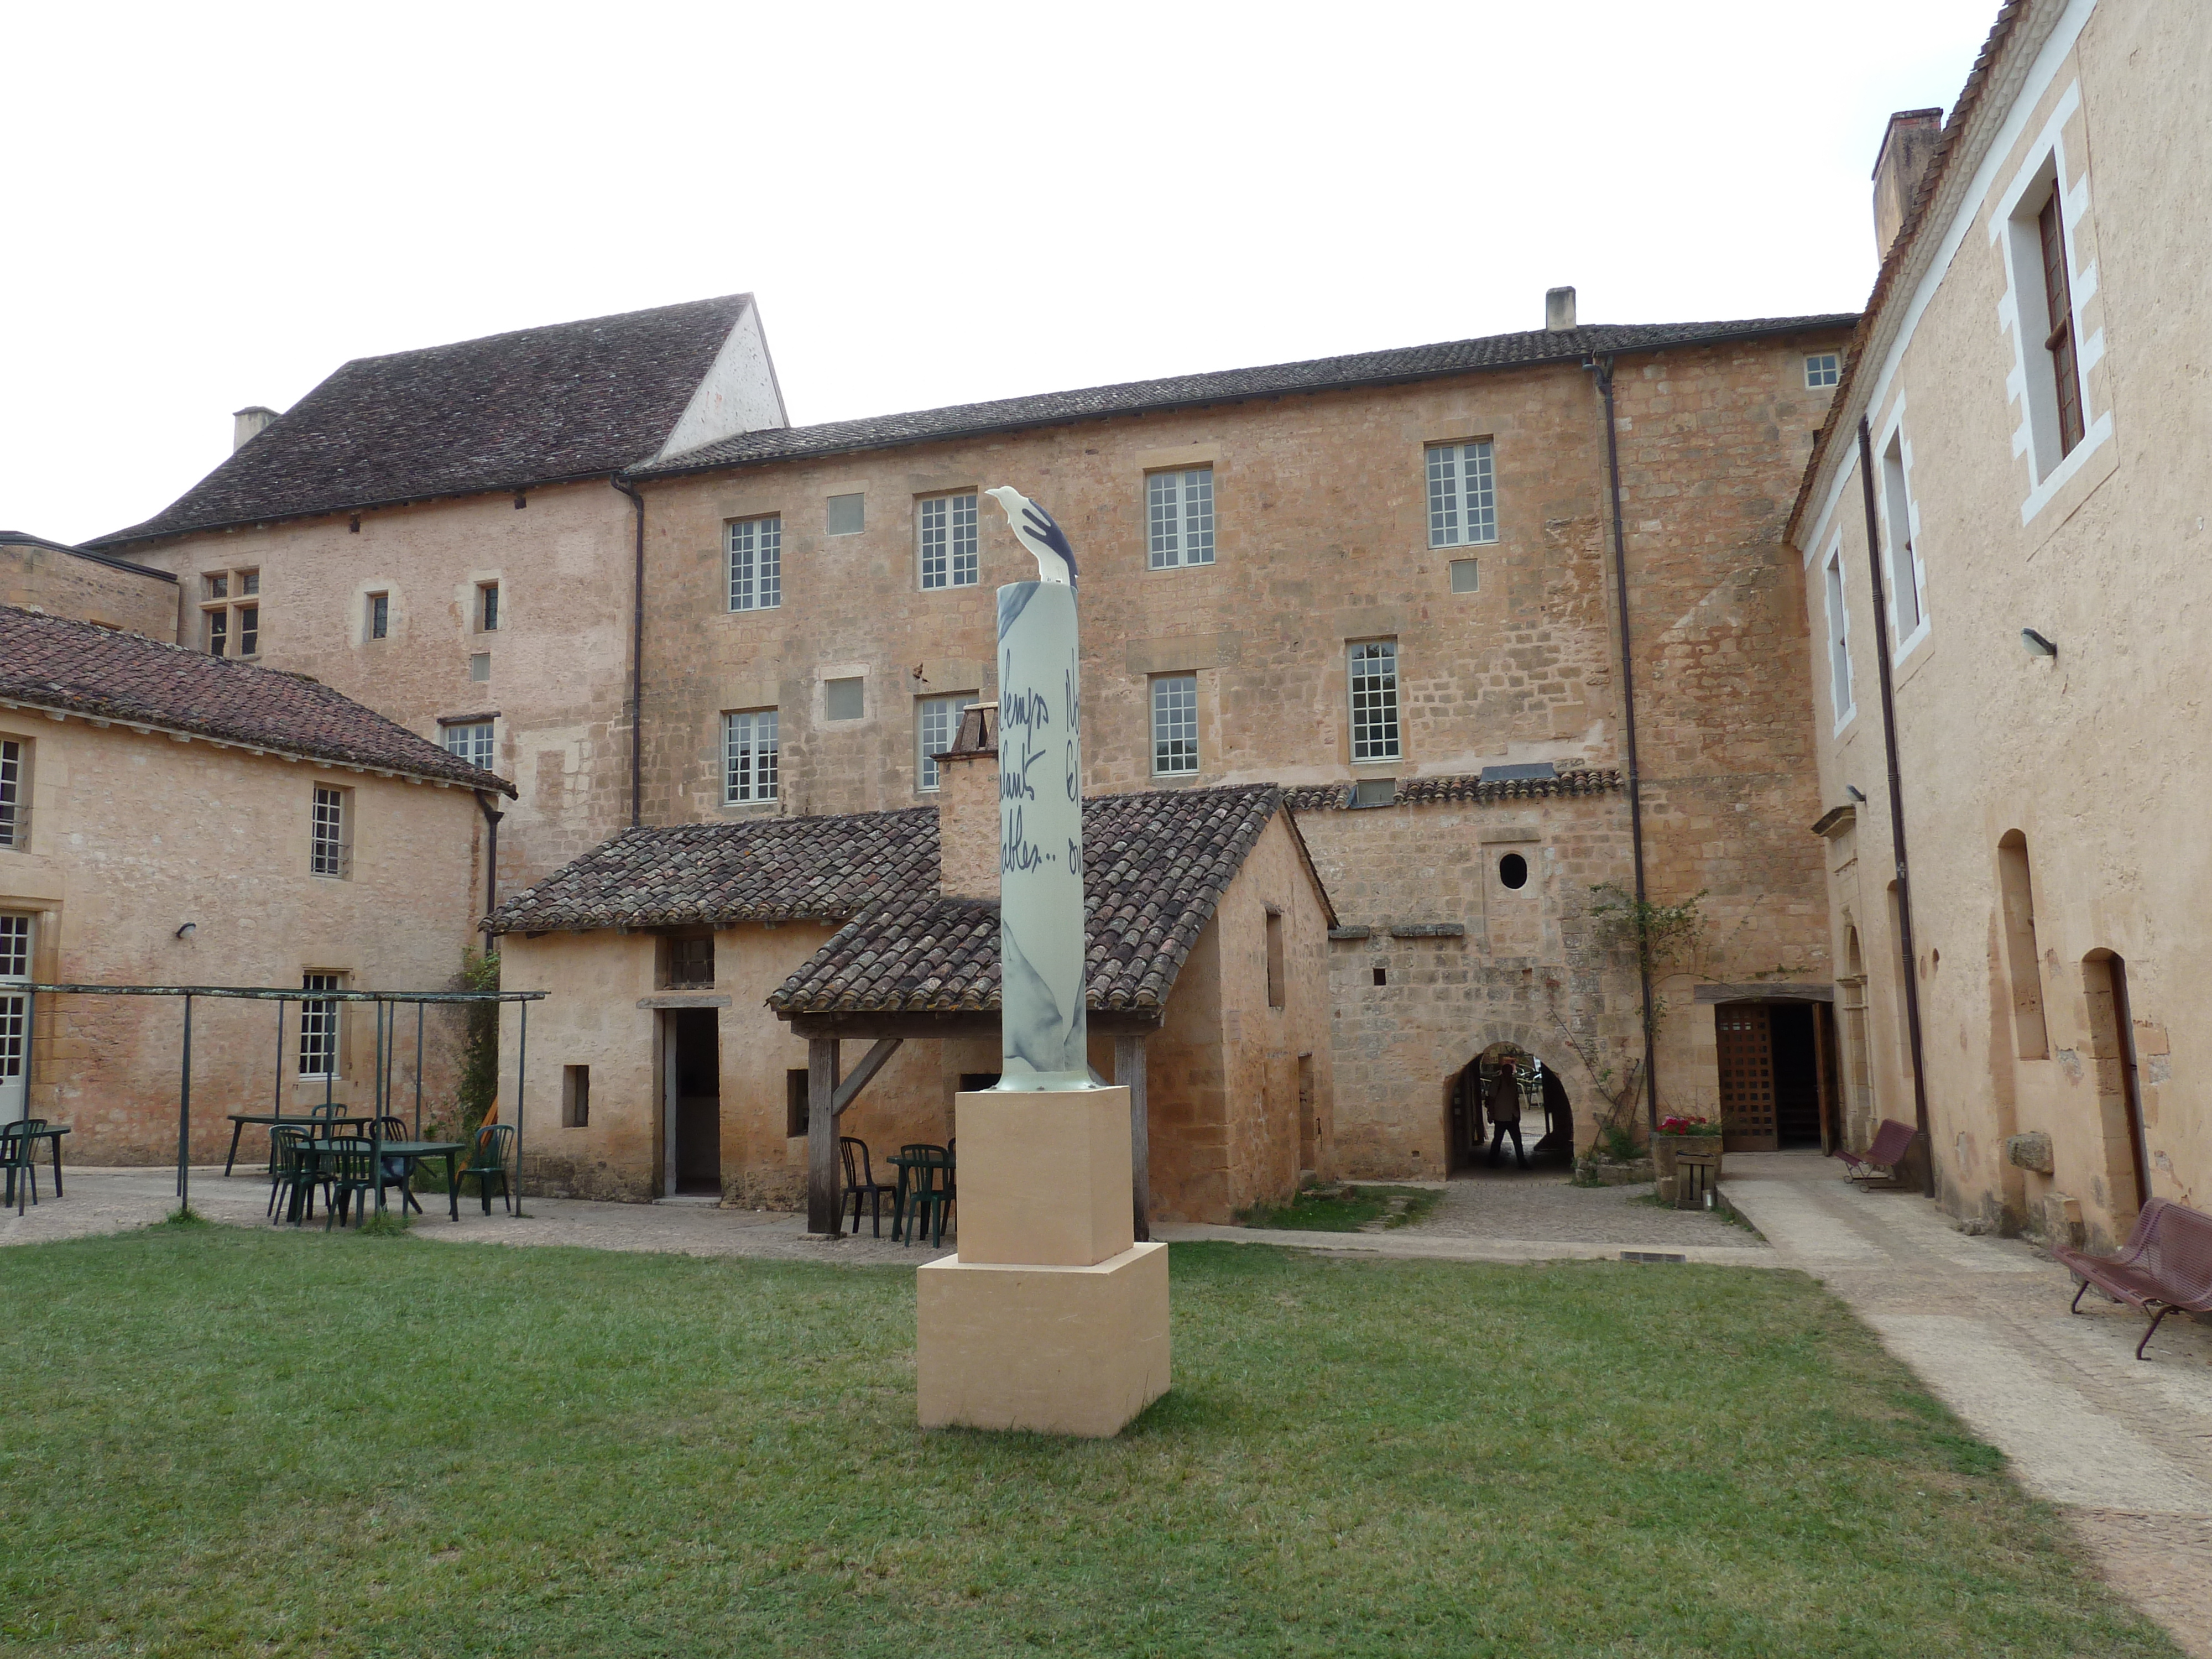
[216, 205]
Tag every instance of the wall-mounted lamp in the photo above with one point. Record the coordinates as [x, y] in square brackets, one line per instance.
[1852, 790]
[2036, 645]
[188, 930]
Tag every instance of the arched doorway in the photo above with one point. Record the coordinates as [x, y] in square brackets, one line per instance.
[1547, 1120]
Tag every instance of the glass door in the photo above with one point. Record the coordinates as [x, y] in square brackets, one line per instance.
[15, 1015]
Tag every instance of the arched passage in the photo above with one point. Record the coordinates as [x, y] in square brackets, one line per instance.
[1506, 1083]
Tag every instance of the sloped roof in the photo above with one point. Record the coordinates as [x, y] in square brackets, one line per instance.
[504, 412]
[24, 538]
[764, 869]
[1318, 374]
[1155, 866]
[1433, 792]
[52, 662]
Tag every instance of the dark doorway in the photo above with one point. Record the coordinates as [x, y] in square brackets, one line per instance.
[1546, 1118]
[1769, 1075]
[1794, 1041]
[698, 1093]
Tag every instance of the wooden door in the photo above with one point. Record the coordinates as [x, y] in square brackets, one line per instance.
[1746, 1067]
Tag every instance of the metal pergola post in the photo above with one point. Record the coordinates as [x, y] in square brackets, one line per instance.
[185, 1119]
[521, 1072]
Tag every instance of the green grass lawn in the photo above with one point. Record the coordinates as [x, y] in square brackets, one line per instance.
[225, 1442]
[1346, 1210]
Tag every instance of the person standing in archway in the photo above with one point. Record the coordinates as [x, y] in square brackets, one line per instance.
[1501, 1103]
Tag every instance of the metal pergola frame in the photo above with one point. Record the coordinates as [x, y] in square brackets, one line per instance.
[388, 1004]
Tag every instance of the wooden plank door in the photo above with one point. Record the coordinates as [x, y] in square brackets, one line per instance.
[1746, 1067]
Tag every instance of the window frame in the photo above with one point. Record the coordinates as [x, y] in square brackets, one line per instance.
[1179, 713]
[928, 776]
[376, 616]
[322, 1018]
[214, 631]
[959, 567]
[482, 738]
[1374, 754]
[329, 855]
[768, 757]
[1902, 559]
[489, 617]
[16, 791]
[1441, 483]
[1827, 364]
[1836, 599]
[762, 563]
[1175, 518]
[224, 617]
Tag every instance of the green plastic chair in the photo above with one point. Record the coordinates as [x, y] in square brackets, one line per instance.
[348, 1174]
[291, 1172]
[19, 1153]
[927, 1193]
[487, 1162]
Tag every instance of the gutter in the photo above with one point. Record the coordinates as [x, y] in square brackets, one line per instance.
[636, 658]
[1896, 817]
[491, 862]
[1602, 367]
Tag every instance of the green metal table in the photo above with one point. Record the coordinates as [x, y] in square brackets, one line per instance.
[269, 1119]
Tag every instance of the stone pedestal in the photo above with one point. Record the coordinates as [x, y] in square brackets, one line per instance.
[1051, 1318]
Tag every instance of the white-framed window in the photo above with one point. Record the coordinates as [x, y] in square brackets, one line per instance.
[14, 945]
[1374, 683]
[936, 724]
[1823, 369]
[846, 515]
[948, 541]
[472, 741]
[1840, 638]
[749, 755]
[1174, 724]
[15, 793]
[1908, 585]
[1462, 494]
[1179, 507]
[756, 562]
[333, 845]
[319, 1026]
[15, 1016]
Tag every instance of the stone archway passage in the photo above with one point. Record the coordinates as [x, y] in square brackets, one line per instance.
[1547, 1128]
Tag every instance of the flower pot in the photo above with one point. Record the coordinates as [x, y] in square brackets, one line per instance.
[1663, 1148]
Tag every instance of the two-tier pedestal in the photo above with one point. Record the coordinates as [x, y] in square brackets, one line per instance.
[1051, 1317]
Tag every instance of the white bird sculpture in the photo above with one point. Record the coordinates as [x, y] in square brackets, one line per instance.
[1035, 529]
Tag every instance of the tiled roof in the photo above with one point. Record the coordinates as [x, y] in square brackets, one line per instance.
[757, 870]
[51, 662]
[1435, 792]
[504, 412]
[1155, 866]
[1319, 374]
[23, 538]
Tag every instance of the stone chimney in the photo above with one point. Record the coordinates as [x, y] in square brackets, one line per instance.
[247, 424]
[968, 807]
[1907, 149]
[1559, 309]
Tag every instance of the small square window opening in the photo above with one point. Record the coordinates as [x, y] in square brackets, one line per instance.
[691, 963]
[480, 665]
[1381, 975]
[472, 741]
[218, 586]
[847, 515]
[1823, 369]
[1465, 575]
[844, 700]
[249, 582]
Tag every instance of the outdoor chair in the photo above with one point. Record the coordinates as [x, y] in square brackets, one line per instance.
[348, 1175]
[2165, 1266]
[291, 1172]
[398, 1171]
[19, 1151]
[925, 1191]
[860, 1178]
[487, 1161]
[1891, 1141]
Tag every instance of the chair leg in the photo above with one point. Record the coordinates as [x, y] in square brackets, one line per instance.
[2152, 1332]
[2080, 1292]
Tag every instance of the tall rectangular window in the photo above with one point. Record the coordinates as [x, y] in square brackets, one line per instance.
[1174, 724]
[1179, 506]
[218, 633]
[471, 740]
[1462, 498]
[936, 724]
[1904, 561]
[948, 541]
[2058, 296]
[332, 848]
[379, 616]
[757, 564]
[15, 793]
[14, 946]
[1374, 665]
[488, 607]
[319, 1026]
[749, 755]
[1839, 641]
[249, 629]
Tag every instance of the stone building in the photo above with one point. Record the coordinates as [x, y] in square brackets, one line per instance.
[2026, 385]
[62, 580]
[434, 534]
[168, 818]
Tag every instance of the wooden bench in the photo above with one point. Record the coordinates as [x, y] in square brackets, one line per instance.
[1891, 1141]
[2166, 1265]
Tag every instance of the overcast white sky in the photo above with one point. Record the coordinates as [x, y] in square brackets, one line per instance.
[215, 205]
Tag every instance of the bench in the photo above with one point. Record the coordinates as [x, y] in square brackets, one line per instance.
[2165, 1266]
[1891, 1141]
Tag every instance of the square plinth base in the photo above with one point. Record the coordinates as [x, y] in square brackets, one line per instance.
[1054, 1350]
[1044, 1178]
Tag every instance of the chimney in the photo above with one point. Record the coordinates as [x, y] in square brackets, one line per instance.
[1907, 149]
[1559, 309]
[248, 423]
[968, 807]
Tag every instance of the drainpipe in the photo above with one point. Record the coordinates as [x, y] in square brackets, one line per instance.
[636, 658]
[1602, 366]
[1896, 815]
[491, 861]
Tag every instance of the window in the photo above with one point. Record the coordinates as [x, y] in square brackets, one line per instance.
[1174, 724]
[480, 665]
[249, 629]
[218, 633]
[15, 793]
[1276, 992]
[948, 541]
[218, 586]
[2058, 299]
[2016, 889]
[1513, 872]
[1381, 975]
[379, 616]
[575, 1096]
[757, 564]
[749, 755]
[226, 630]
[847, 515]
[1374, 665]
[488, 607]
[1823, 369]
[332, 848]
[1462, 504]
[1905, 574]
[15, 1014]
[471, 740]
[1180, 507]
[936, 725]
[795, 1102]
[249, 582]
[844, 700]
[1839, 640]
[1375, 792]
[319, 1027]
[691, 962]
[14, 946]
[1466, 575]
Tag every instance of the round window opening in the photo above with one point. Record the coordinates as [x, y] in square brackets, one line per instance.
[1513, 870]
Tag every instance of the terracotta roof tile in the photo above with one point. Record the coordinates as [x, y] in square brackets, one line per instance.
[1435, 792]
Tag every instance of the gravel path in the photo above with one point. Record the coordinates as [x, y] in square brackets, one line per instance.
[1539, 1206]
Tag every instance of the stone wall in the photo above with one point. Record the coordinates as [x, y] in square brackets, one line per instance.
[62, 582]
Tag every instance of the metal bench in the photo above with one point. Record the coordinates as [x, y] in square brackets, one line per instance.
[2165, 1266]
[1891, 1141]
